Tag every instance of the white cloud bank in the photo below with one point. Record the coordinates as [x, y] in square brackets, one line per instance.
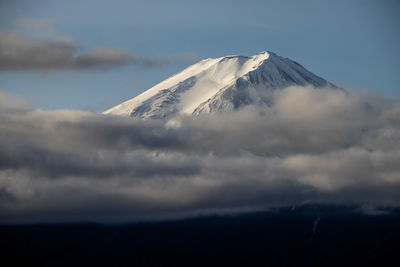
[311, 146]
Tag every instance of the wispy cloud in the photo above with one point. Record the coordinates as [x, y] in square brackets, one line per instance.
[310, 146]
[36, 27]
[21, 53]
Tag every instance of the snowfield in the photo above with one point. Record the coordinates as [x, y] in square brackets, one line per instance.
[219, 84]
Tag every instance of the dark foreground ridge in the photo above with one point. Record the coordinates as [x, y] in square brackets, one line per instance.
[304, 236]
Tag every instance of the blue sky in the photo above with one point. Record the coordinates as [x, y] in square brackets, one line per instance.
[354, 44]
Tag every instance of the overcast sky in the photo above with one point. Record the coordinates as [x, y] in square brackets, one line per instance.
[100, 53]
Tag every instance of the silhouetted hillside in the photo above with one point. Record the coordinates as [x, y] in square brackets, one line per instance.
[285, 237]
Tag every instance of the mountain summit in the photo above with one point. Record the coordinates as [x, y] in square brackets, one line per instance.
[218, 84]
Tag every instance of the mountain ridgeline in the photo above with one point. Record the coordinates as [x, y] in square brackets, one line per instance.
[216, 85]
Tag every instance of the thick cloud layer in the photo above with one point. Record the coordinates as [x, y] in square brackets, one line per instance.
[20, 53]
[310, 146]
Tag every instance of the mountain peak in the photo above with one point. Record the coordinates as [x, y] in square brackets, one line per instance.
[218, 84]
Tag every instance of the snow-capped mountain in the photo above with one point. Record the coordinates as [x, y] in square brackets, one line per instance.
[217, 85]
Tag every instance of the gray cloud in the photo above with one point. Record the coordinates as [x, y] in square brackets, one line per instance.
[310, 146]
[19, 53]
[13, 103]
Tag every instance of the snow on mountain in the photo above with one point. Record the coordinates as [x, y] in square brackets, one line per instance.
[217, 85]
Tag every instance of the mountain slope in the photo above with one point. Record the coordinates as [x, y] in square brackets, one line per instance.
[217, 85]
